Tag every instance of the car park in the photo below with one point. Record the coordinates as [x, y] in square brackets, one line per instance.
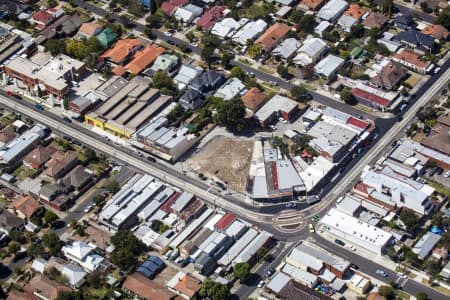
[339, 242]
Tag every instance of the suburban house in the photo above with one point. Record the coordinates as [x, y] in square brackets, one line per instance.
[412, 60]
[89, 29]
[351, 16]
[286, 49]
[45, 17]
[60, 164]
[249, 31]
[37, 158]
[272, 36]
[253, 99]
[375, 20]
[416, 40]
[191, 99]
[186, 75]
[332, 10]
[25, 207]
[122, 51]
[230, 89]
[141, 60]
[107, 37]
[78, 178]
[329, 66]
[208, 81]
[84, 255]
[44, 288]
[10, 222]
[184, 285]
[188, 13]
[169, 7]
[313, 5]
[312, 50]
[138, 285]
[211, 17]
[389, 76]
[439, 32]
[404, 21]
[164, 62]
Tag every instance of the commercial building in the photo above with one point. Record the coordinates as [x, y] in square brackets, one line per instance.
[51, 77]
[374, 97]
[249, 31]
[312, 50]
[272, 36]
[360, 233]
[121, 212]
[128, 108]
[277, 106]
[405, 192]
[167, 142]
[329, 66]
[81, 105]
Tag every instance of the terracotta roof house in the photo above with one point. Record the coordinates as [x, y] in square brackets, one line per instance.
[38, 157]
[7, 134]
[254, 99]
[122, 50]
[147, 289]
[375, 296]
[311, 4]
[142, 59]
[209, 18]
[188, 286]
[439, 32]
[42, 18]
[25, 207]
[16, 295]
[169, 7]
[390, 76]
[272, 36]
[355, 11]
[44, 288]
[412, 60]
[375, 20]
[60, 164]
[89, 29]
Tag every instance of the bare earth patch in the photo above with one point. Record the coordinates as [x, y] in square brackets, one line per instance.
[225, 159]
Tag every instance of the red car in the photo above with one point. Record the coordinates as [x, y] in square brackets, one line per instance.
[9, 93]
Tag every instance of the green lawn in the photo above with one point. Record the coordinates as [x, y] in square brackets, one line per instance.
[440, 188]
[402, 294]
[23, 172]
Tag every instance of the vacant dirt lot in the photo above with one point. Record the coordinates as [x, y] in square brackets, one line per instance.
[225, 159]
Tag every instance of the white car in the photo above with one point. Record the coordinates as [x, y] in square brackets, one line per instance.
[353, 248]
[261, 284]
[447, 174]
[437, 70]
[273, 127]
[402, 275]
[282, 120]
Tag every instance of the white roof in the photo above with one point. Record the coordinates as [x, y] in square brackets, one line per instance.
[249, 31]
[231, 88]
[322, 27]
[315, 172]
[39, 265]
[19, 144]
[287, 48]
[355, 229]
[346, 22]
[225, 28]
[186, 74]
[329, 65]
[275, 104]
[332, 10]
[188, 13]
[278, 282]
[311, 49]
[300, 275]
[77, 249]
[74, 274]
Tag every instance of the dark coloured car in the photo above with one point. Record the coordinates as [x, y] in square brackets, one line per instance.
[339, 242]
[353, 266]
[67, 120]
[39, 107]
[151, 159]
[170, 42]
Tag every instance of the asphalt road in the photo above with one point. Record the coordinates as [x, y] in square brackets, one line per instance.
[369, 267]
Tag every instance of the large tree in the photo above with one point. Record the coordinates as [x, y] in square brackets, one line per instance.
[421, 296]
[307, 24]
[410, 219]
[241, 270]
[127, 249]
[298, 92]
[207, 55]
[50, 217]
[231, 114]
[213, 290]
[164, 82]
[444, 17]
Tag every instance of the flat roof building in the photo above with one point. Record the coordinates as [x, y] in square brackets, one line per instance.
[277, 105]
[358, 232]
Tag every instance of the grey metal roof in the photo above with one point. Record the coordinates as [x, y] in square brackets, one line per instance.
[278, 282]
[426, 243]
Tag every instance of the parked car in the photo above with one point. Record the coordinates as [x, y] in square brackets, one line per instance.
[282, 120]
[291, 204]
[433, 171]
[439, 171]
[149, 158]
[394, 143]
[273, 127]
[311, 228]
[67, 120]
[353, 248]
[261, 284]
[339, 242]
[89, 208]
[353, 266]
[270, 271]
[447, 174]
[39, 107]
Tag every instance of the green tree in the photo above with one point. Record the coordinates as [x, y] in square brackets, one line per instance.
[209, 40]
[13, 247]
[295, 16]
[238, 73]
[112, 186]
[55, 46]
[444, 18]
[17, 236]
[241, 270]
[213, 290]
[298, 92]
[356, 31]
[225, 60]
[283, 71]
[66, 103]
[307, 24]
[424, 6]
[346, 95]
[163, 82]
[386, 7]
[127, 248]
[153, 21]
[50, 217]
[190, 36]
[387, 292]
[421, 296]
[410, 219]
[231, 114]
[263, 250]
[254, 50]
[98, 199]
[207, 55]
[36, 250]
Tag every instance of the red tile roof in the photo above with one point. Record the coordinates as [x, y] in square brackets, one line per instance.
[166, 206]
[42, 16]
[209, 18]
[121, 50]
[370, 97]
[355, 11]
[273, 35]
[357, 122]
[254, 98]
[188, 286]
[225, 221]
[170, 6]
[143, 58]
[147, 289]
[437, 31]
[26, 205]
[411, 57]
